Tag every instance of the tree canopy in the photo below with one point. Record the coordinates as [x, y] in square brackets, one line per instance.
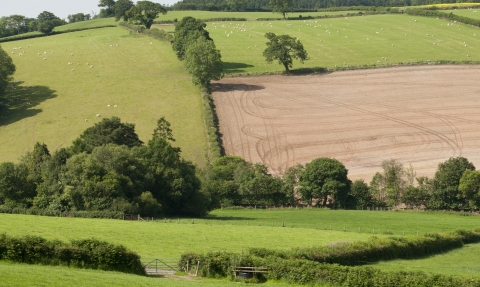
[7, 69]
[145, 12]
[284, 48]
[203, 62]
[282, 6]
[188, 30]
[120, 9]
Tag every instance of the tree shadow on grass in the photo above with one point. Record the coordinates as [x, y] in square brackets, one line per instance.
[222, 87]
[227, 218]
[232, 68]
[19, 102]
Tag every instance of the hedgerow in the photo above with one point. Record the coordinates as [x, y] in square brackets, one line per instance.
[86, 253]
[31, 36]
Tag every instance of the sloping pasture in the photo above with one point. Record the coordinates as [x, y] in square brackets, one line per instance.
[62, 82]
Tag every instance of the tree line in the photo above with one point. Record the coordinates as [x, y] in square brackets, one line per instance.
[298, 5]
[45, 22]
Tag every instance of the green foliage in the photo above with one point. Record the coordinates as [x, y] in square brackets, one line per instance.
[308, 266]
[187, 30]
[46, 27]
[282, 6]
[360, 196]
[109, 130]
[46, 16]
[87, 253]
[284, 48]
[163, 130]
[291, 180]
[211, 123]
[145, 12]
[31, 36]
[16, 188]
[446, 182]
[204, 62]
[324, 178]
[120, 9]
[7, 69]
[469, 186]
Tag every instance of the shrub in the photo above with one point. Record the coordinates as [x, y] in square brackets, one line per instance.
[87, 253]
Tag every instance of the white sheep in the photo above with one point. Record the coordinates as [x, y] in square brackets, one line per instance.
[44, 59]
[115, 106]
[98, 115]
[108, 105]
[73, 70]
[86, 120]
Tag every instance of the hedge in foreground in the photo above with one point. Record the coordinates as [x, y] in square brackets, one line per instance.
[298, 271]
[86, 253]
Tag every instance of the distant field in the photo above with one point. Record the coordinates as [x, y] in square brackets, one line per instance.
[458, 262]
[20, 275]
[470, 13]
[171, 239]
[88, 24]
[343, 42]
[51, 102]
[171, 15]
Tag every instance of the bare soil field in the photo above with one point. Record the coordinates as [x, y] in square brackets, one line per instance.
[418, 115]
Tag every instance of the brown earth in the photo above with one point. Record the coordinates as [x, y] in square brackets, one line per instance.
[417, 115]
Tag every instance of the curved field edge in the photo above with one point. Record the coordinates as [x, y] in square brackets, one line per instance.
[54, 101]
[459, 262]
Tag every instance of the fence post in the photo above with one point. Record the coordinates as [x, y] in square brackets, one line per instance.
[196, 271]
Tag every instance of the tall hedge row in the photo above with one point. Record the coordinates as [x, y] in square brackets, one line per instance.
[377, 249]
[313, 265]
[87, 253]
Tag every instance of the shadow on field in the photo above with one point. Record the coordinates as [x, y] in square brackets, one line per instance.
[227, 218]
[19, 102]
[221, 87]
[230, 68]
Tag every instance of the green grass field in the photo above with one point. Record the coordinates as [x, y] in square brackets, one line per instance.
[470, 13]
[88, 24]
[458, 262]
[351, 41]
[52, 102]
[251, 16]
[20, 275]
[171, 239]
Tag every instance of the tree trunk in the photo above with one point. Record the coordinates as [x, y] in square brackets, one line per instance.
[286, 68]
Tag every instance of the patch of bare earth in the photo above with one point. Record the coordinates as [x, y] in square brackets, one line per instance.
[417, 115]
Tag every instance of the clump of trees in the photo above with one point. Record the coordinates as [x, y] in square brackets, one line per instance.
[79, 17]
[18, 24]
[106, 169]
[141, 13]
[193, 45]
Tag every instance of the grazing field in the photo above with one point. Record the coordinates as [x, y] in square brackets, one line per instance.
[251, 16]
[377, 40]
[19, 275]
[53, 102]
[170, 239]
[470, 13]
[87, 24]
[417, 115]
[458, 262]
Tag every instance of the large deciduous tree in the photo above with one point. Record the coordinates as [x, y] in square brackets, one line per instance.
[120, 9]
[284, 48]
[105, 132]
[188, 30]
[470, 188]
[291, 180]
[324, 178]
[108, 8]
[145, 12]
[204, 62]
[445, 184]
[282, 6]
[7, 69]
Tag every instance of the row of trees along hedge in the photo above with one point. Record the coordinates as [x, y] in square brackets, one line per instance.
[297, 5]
[107, 168]
[308, 267]
[86, 253]
[18, 24]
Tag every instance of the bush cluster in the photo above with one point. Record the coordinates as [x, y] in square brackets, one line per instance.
[72, 213]
[86, 253]
[155, 33]
[310, 266]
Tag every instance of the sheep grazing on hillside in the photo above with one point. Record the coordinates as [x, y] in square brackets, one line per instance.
[91, 67]
[98, 115]
[73, 70]
[86, 120]
[115, 106]
[44, 59]
[108, 106]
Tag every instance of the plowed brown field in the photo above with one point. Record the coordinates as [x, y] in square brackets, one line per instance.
[417, 115]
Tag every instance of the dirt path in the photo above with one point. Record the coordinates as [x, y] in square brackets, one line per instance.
[417, 115]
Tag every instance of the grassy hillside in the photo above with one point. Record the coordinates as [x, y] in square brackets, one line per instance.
[19, 275]
[53, 103]
[87, 24]
[348, 41]
[470, 13]
[170, 239]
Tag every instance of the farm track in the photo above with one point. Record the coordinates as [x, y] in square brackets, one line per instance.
[418, 115]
